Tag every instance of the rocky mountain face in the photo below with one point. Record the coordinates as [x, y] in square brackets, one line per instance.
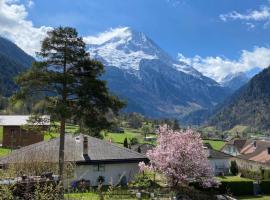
[249, 106]
[235, 81]
[152, 82]
[13, 60]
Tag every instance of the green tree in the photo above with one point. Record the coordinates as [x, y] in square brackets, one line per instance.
[147, 128]
[69, 82]
[234, 168]
[125, 143]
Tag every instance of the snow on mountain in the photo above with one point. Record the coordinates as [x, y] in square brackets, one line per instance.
[235, 80]
[125, 48]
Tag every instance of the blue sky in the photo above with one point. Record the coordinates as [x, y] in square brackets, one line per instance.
[190, 26]
[197, 29]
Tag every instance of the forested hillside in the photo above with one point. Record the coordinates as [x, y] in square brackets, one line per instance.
[249, 106]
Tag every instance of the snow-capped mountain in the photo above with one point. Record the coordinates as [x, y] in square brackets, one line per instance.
[125, 48]
[235, 80]
[152, 82]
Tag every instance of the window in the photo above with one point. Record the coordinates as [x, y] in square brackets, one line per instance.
[99, 168]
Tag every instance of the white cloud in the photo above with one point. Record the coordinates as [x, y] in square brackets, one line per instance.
[106, 36]
[16, 27]
[218, 67]
[30, 3]
[261, 15]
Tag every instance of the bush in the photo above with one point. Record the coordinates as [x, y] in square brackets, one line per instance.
[265, 185]
[142, 181]
[234, 168]
[251, 174]
[134, 141]
[236, 187]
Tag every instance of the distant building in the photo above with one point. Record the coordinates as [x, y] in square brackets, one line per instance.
[93, 158]
[219, 161]
[250, 153]
[15, 133]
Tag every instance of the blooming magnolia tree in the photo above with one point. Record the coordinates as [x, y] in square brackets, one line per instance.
[180, 156]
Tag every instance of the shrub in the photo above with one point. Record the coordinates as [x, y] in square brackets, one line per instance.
[265, 185]
[236, 187]
[134, 141]
[234, 168]
[251, 174]
[142, 181]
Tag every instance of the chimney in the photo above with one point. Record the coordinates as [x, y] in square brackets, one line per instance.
[85, 145]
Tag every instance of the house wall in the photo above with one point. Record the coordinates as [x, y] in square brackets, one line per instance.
[251, 165]
[220, 166]
[15, 136]
[230, 149]
[111, 172]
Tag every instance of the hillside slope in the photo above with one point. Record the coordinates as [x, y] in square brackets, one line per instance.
[13, 60]
[249, 106]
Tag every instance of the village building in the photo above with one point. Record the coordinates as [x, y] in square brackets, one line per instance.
[93, 159]
[250, 154]
[219, 161]
[18, 131]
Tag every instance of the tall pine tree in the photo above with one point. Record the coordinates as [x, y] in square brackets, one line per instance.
[68, 81]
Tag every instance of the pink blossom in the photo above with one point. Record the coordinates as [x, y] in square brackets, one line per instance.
[180, 156]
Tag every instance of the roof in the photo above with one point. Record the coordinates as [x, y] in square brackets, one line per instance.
[214, 154]
[239, 144]
[98, 151]
[20, 120]
[258, 153]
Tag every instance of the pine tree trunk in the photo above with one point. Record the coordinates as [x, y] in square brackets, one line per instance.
[61, 157]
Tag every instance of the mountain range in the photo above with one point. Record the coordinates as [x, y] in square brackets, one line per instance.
[152, 82]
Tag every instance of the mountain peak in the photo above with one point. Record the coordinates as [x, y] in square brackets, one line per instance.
[125, 48]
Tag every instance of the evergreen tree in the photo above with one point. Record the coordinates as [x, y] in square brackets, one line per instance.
[125, 143]
[69, 82]
[234, 168]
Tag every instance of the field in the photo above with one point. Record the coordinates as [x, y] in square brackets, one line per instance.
[233, 178]
[4, 151]
[95, 196]
[129, 134]
[216, 144]
[1, 134]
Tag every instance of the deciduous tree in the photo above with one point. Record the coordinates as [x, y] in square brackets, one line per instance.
[180, 157]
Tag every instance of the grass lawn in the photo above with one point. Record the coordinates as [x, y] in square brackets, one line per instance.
[232, 178]
[264, 197]
[216, 144]
[95, 196]
[4, 151]
[129, 133]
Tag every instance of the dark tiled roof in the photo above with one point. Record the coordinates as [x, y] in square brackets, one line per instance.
[98, 150]
[214, 154]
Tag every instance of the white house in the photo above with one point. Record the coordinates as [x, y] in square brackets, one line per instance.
[219, 161]
[93, 158]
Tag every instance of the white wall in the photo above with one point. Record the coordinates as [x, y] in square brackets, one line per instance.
[111, 172]
[220, 165]
[231, 150]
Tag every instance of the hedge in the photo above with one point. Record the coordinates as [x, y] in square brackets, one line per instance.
[265, 186]
[236, 187]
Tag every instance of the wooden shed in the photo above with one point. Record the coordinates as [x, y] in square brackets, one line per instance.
[15, 133]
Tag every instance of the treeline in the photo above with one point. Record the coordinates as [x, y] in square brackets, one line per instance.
[137, 120]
